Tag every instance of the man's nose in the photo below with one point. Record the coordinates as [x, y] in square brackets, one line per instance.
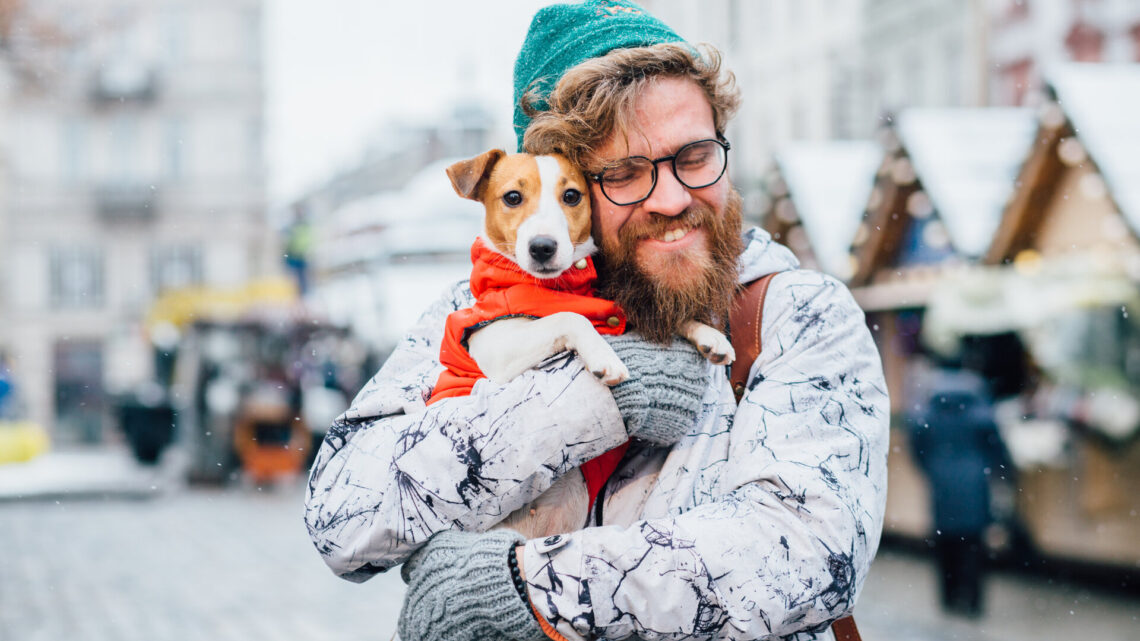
[669, 197]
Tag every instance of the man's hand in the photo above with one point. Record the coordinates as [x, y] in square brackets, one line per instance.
[662, 396]
[460, 589]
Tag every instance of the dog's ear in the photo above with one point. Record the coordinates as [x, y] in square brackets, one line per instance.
[469, 176]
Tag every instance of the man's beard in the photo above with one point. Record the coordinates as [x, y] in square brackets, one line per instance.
[657, 306]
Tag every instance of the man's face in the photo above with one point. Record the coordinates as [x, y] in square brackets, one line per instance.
[670, 113]
[672, 257]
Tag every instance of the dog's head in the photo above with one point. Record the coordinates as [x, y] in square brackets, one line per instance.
[538, 208]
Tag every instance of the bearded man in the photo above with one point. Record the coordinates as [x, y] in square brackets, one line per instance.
[721, 521]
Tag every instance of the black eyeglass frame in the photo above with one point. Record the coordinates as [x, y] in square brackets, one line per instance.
[720, 140]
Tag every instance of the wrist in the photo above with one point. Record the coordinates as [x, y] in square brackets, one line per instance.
[547, 629]
[514, 564]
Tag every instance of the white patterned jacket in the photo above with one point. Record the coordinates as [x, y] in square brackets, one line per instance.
[760, 523]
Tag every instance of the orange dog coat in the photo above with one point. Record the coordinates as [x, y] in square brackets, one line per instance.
[502, 289]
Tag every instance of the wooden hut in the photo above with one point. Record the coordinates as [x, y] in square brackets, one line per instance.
[1065, 269]
[937, 198]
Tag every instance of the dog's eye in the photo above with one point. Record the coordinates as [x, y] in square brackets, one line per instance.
[512, 198]
[572, 197]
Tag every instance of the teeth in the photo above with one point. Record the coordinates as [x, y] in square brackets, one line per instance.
[674, 234]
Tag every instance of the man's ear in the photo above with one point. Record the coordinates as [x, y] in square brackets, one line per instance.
[468, 177]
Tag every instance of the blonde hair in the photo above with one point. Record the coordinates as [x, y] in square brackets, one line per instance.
[596, 99]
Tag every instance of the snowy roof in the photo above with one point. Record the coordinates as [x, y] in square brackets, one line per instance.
[425, 217]
[830, 183]
[968, 160]
[427, 198]
[1103, 103]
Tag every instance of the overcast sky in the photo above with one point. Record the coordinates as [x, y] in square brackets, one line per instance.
[338, 69]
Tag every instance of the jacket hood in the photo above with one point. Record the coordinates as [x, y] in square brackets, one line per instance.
[763, 256]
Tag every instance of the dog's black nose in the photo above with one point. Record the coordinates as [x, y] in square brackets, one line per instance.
[542, 248]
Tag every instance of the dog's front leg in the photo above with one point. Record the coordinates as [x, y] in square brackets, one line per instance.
[506, 348]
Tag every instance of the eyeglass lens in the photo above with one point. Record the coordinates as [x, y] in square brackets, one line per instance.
[696, 165]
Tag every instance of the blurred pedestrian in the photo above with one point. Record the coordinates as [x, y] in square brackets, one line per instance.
[298, 245]
[7, 394]
[956, 443]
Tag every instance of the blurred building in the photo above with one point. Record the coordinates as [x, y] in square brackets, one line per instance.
[133, 164]
[1027, 38]
[395, 154]
[922, 53]
[797, 64]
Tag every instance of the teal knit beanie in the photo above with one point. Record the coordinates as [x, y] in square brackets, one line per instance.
[564, 35]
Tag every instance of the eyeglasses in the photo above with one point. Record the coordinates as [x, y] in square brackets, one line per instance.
[632, 180]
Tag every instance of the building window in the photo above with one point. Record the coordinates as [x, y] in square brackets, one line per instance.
[74, 149]
[124, 149]
[954, 72]
[842, 100]
[175, 266]
[252, 38]
[175, 35]
[1085, 42]
[914, 72]
[76, 278]
[254, 134]
[798, 118]
[79, 394]
[175, 148]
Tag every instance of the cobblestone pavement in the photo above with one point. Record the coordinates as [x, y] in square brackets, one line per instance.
[236, 564]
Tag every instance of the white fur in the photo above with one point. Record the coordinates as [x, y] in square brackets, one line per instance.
[508, 347]
[714, 345]
[563, 507]
[547, 220]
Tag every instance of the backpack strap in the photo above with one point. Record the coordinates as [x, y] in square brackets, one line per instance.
[844, 629]
[744, 321]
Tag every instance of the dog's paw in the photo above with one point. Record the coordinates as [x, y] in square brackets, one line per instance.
[719, 355]
[714, 345]
[610, 373]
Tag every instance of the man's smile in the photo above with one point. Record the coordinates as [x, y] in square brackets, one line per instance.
[674, 237]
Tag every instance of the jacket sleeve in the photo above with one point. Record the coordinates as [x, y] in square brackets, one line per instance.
[785, 543]
[392, 471]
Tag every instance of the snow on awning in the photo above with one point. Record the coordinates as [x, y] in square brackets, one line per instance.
[830, 183]
[967, 160]
[1103, 103]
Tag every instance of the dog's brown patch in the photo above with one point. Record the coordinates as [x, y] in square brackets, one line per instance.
[468, 177]
[578, 217]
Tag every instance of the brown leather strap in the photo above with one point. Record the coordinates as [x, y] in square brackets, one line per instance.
[744, 322]
[844, 629]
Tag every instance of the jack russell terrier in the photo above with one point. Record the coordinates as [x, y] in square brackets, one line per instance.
[533, 283]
